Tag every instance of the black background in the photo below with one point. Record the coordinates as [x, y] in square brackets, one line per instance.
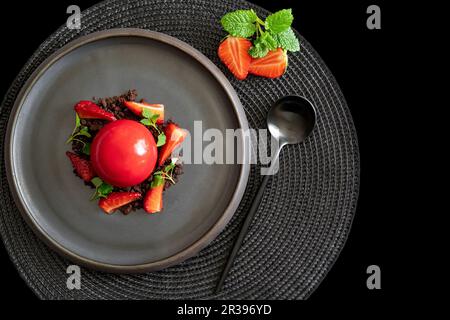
[358, 58]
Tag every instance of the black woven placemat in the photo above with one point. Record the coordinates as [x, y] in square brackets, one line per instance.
[304, 218]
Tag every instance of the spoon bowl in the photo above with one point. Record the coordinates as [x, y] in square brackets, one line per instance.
[291, 119]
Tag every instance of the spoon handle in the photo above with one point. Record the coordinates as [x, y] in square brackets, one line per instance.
[246, 225]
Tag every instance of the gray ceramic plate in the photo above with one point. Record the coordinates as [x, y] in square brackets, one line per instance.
[56, 204]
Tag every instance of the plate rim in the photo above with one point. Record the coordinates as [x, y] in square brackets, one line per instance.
[200, 243]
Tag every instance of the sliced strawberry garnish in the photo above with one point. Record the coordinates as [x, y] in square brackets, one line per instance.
[116, 200]
[137, 107]
[82, 167]
[153, 201]
[273, 65]
[234, 54]
[174, 137]
[89, 110]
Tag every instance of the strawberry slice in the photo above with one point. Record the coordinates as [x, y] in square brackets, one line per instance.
[234, 54]
[89, 110]
[82, 167]
[174, 137]
[273, 65]
[153, 201]
[115, 200]
[137, 107]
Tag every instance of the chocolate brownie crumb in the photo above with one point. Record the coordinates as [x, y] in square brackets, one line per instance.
[126, 209]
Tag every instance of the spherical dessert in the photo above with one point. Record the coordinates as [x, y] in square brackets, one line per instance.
[124, 153]
[128, 170]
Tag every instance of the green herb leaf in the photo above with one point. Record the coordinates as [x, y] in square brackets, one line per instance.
[146, 122]
[146, 113]
[87, 148]
[165, 174]
[169, 168]
[154, 118]
[77, 125]
[287, 40]
[105, 189]
[279, 21]
[267, 40]
[161, 140]
[157, 181]
[240, 23]
[258, 51]
[150, 119]
[77, 121]
[263, 45]
[84, 132]
[97, 182]
[102, 189]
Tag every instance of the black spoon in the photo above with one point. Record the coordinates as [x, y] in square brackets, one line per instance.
[290, 120]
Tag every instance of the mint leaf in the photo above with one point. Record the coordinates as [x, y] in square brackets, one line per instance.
[170, 167]
[77, 125]
[150, 118]
[262, 45]
[87, 148]
[287, 40]
[240, 23]
[84, 132]
[161, 140]
[77, 121]
[165, 174]
[97, 182]
[105, 189]
[279, 21]
[258, 51]
[267, 40]
[154, 118]
[102, 189]
[146, 113]
[157, 181]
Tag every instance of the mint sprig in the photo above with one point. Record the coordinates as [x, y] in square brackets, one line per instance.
[273, 33]
[159, 177]
[161, 140]
[287, 40]
[279, 21]
[102, 189]
[158, 180]
[149, 120]
[258, 51]
[262, 45]
[80, 131]
[240, 23]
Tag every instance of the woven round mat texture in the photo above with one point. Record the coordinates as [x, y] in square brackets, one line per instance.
[307, 210]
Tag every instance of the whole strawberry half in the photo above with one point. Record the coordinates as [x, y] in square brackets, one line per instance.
[89, 110]
[234, 54]
[115, 200]
[273, 65]
[138, 107]
[82, 166]
[153, 200]
[174, 137]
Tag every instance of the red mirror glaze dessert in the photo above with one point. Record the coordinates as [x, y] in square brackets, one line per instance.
[124, 153]
[123, 149]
